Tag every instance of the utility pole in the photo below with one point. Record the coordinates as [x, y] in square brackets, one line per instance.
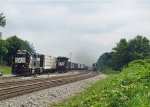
[70, 56]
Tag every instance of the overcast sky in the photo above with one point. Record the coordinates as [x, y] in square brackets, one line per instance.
[85, 28]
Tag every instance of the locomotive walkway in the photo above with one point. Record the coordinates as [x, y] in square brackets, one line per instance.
[16, 88]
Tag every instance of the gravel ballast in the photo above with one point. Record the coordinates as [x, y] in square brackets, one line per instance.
[45, 97]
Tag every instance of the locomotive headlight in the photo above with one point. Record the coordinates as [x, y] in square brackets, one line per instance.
[23, 66]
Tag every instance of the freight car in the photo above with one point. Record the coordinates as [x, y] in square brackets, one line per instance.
[49, 63]
[76, 66]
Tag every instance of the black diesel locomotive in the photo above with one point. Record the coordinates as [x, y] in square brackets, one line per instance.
[94, 67]
[26, 63]
[62, 64]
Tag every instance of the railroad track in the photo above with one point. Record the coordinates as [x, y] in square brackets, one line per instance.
[8, 79]
[22, 82]
[12, 89]
[18, 78]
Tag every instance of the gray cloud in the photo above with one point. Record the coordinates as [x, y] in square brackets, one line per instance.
[63, 26]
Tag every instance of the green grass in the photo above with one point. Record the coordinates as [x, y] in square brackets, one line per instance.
[130, 88]
[5, 69]
[108, 70]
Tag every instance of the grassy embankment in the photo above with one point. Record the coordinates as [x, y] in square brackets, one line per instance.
[5, 69]
[130, 88]
[108, 71]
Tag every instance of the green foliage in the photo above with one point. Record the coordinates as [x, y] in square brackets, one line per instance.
[16, 44]
[3, 44]
[105, 61]
[5, 69]
[125, 52]
[2, 20]
[10, 46]
[3, 49]
[109, 70]
[130, 88]
[120, 55]
[139, 48]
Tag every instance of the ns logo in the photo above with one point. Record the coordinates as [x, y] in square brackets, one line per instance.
[61, 63]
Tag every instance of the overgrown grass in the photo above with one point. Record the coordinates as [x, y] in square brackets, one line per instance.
[108, 70]
[130, 88]
[5, 69]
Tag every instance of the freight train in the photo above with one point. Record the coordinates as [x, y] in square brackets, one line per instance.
[94, 67]
[27, 63]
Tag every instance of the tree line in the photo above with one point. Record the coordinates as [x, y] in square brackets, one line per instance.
[125, 52]
[10, 46]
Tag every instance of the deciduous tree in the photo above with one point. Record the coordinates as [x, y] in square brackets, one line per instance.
[15, 44]
[3, 43]
[125, 52]
[2, 20]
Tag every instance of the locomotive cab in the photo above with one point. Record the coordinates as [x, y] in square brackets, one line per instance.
[22, 63]
[62, 64]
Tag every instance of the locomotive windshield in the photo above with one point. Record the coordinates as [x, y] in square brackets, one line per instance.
[21, 55]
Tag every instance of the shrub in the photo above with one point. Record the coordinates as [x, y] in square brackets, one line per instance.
[130, 88]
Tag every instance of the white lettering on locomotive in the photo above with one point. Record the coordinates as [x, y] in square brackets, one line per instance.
[61, 63]
[20, 60]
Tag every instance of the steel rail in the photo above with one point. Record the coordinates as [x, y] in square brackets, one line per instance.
[17, 90]
[20, 82]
